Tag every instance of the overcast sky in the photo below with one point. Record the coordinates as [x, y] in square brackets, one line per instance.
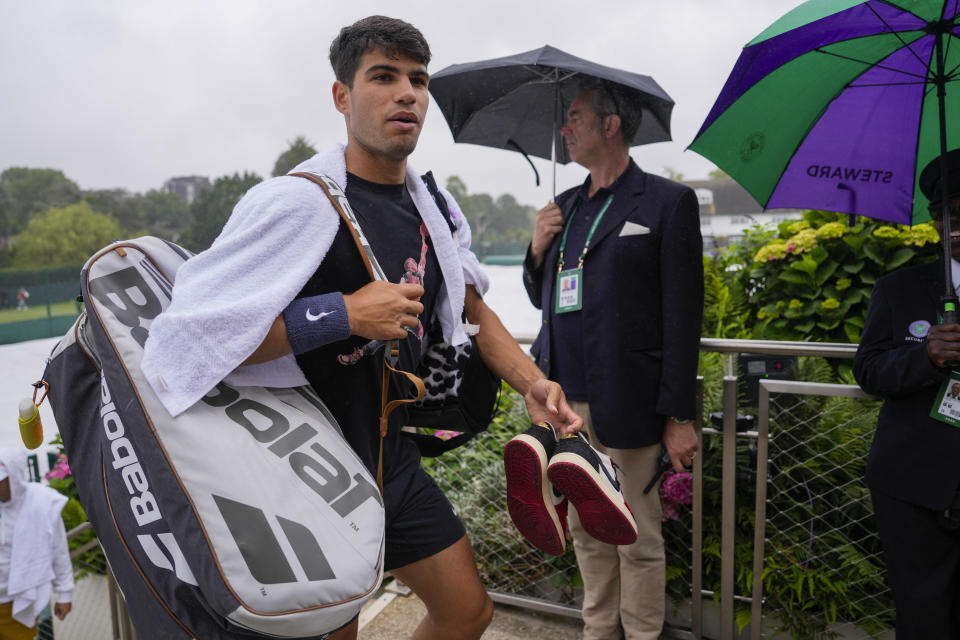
[127, 94]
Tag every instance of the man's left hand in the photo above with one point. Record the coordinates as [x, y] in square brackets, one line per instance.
[546, 402]
[61, 609]
[680, 441]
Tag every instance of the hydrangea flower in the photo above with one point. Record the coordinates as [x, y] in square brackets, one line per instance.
[886, 232]
[843, 283]
[796, 227]
[676, 490]
[803, 241]
[830, 303]
[831, 230]
[796, 304]
[776, 250]
[920, 235]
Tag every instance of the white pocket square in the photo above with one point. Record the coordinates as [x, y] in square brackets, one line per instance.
[633, 229]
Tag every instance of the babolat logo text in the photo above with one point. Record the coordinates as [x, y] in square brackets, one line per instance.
[131, 299]
[143, 505]
[317, 468]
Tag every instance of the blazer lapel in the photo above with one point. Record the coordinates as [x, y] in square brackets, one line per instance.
[622, 206]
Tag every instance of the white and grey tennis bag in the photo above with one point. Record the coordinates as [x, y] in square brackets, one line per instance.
[247, 516]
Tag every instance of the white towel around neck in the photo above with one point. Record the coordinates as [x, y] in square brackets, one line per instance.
[226, 298]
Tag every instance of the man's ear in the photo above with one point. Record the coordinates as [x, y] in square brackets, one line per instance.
[611, 126]
[341, 97]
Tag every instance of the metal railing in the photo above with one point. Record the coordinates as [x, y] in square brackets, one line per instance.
[732, 463]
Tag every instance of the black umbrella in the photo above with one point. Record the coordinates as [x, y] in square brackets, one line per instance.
[518, 102]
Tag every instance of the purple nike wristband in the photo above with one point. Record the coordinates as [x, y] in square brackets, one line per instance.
[316, 321]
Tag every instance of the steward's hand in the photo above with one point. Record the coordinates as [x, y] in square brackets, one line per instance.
[546, 402]
[549, 223]
[680, 441]
[943, 344]
[383, 310]
[61, 609]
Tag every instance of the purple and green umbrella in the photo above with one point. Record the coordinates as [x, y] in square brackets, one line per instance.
[839, 105]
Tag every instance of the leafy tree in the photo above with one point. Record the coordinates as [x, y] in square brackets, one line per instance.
[154, 213]
[119, 204]
[63, 236]
[25, 192]
[673, 174]
[212, 208]
[300, 149]
[163, 214]
[499, 221]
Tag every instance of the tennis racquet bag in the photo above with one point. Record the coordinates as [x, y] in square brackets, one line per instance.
[247, 516]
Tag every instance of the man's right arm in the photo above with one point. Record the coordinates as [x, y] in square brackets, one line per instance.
[893, 368]
[378, 311]
[548, 224]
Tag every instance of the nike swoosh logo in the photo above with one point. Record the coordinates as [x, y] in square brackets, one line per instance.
[313, 318]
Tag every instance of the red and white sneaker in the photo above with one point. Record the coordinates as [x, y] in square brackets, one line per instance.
[588, 479]
[536, 508]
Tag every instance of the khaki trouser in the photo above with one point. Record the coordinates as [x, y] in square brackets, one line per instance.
[623, 586]
[10, 629]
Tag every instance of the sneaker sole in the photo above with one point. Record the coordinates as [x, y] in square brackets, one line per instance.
[528, 495]
[603, 512]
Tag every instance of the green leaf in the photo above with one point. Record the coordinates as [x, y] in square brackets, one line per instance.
[806, 264]
[854, 242]
[794, 277]
[899, 257]
[852, 331]
[854, 268]
[872, 251]
[826, 270]
[804, 327]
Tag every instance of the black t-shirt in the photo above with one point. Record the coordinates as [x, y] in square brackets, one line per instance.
[568, 330]
[350, 386]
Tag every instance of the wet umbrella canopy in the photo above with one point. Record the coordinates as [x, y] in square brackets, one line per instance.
[839, 105]
[835, 107]
[519, 102]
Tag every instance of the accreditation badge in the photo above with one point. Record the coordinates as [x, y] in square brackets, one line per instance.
[569, 291]
[946, 408]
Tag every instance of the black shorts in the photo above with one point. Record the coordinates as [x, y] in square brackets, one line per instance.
[421, 521]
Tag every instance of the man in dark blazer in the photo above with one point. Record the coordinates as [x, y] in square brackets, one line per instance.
[629, 349]
[913, 471]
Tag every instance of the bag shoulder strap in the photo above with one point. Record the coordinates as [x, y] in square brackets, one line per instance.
[434, 190]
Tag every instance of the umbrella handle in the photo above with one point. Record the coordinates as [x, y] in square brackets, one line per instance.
[948, 309]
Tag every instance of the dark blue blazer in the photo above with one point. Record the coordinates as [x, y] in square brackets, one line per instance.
[913, 457]
[642, 309]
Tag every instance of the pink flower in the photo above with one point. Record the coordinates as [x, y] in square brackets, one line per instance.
[676, 490]
[60, 470]
[790, 247]
[444, 434]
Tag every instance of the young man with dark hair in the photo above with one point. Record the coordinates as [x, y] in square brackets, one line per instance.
[313, 308]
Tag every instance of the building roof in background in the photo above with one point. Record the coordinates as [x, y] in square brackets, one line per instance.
[723, 196]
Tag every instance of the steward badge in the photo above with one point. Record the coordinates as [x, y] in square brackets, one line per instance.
[946, 408]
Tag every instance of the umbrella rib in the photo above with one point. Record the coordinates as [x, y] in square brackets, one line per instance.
[897, 33]
[537, 69]
[870, 65]
[851, 85]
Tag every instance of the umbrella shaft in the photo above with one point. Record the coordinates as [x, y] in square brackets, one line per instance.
[941, 82]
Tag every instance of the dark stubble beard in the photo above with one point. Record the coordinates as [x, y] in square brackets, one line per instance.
[397, 149]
